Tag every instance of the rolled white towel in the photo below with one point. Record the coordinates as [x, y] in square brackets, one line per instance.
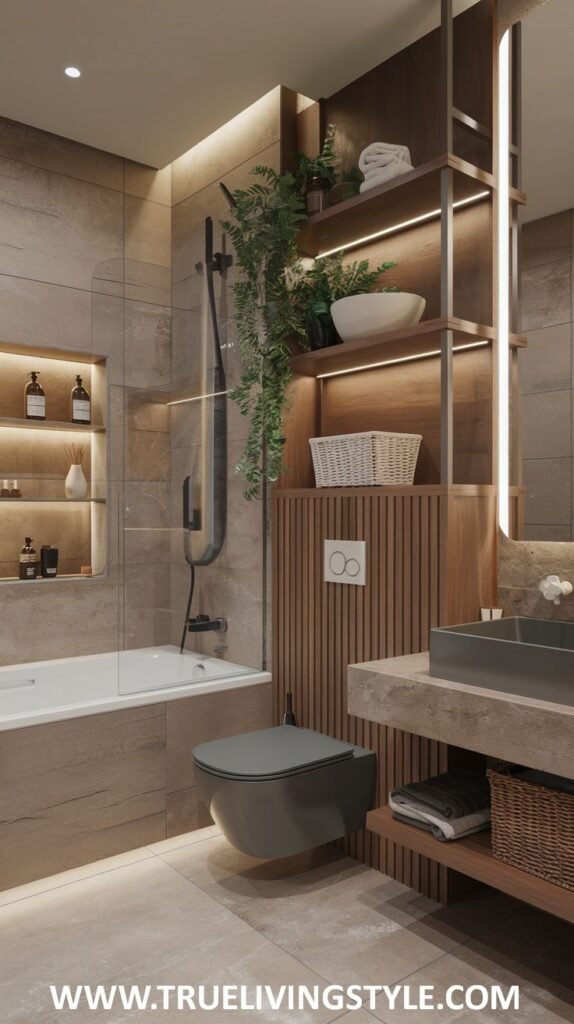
[384, 174]
[378, 153]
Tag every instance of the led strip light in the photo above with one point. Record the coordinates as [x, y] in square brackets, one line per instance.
[402, 359]
[395, 228]
[503, 306]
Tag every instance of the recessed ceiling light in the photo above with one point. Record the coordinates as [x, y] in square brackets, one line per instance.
[72, 72]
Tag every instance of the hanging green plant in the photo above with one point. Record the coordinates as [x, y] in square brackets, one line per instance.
[263, 229]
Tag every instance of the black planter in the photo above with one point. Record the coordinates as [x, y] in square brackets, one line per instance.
[322, 334]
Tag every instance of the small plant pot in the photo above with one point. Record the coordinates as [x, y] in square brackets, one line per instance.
[322, 334]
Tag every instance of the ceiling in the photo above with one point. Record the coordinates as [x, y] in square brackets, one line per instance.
[547, 124]
[159, 75]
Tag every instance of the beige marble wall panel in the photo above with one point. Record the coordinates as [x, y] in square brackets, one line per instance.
[71, 618]
[63, 156]
[147, 251]
[546, 364]
[147, 455]
[545, 296]
[57, 229]
[546, 240]
[239, 140]
[188, 227]
[147, 345]
[147, 613]
[547, 426]
[79, 790]
[148, 183]
[521, 566]
[39, 314]
[211, 716]
[107, 334]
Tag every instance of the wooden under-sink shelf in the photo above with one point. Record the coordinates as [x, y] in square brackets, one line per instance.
[420, 340]
[395, 205]
[473, 857]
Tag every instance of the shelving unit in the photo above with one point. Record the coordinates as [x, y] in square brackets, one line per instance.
[473, 857]
[431, 546]
[33, 452]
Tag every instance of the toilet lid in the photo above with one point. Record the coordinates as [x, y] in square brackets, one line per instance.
[270, 753]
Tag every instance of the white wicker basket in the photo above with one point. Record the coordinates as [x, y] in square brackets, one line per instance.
[365, 460]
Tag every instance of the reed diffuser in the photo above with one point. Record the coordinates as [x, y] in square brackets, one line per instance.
[76, 483]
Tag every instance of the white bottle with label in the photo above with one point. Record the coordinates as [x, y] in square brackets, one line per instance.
[81, 404]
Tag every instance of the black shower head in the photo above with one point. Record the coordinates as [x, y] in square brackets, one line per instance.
[228, 195]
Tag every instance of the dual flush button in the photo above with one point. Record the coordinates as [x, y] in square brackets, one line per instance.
[344, 561]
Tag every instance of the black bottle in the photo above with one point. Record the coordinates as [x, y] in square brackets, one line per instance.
[81, 404]
[48, 561]
[34, 399]
[28, 561]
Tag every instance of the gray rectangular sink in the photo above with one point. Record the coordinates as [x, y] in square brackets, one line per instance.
[531, 657]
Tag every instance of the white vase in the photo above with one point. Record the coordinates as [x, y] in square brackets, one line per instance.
[76, 483]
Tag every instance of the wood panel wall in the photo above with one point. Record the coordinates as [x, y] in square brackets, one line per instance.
[400, 100]
[420, 571]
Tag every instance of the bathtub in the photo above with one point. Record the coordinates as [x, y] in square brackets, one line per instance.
[49, 691]
[96, 752]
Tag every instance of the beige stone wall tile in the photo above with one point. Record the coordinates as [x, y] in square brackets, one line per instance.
[148, 183]
[63, 156]
[239, 140]
[147, 345]
[57, 229]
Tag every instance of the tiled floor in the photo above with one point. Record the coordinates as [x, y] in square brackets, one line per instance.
[192, 910]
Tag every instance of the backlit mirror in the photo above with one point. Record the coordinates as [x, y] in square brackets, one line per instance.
[544, 388]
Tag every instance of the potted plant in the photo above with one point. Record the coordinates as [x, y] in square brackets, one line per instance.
[316, 287]
[263, 228]
[315, 176]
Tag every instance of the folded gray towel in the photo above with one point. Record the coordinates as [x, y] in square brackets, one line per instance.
[450, 795]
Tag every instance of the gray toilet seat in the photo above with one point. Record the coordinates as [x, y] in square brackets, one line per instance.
[269, 754]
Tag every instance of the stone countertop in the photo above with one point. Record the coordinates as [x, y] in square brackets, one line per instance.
[400, 692]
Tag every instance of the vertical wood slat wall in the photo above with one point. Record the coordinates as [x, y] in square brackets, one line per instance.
[320, 628]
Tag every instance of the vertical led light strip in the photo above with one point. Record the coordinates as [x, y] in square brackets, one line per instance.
[503, 311]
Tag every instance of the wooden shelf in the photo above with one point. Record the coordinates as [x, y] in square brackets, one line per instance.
[88, 428]
[422, 339]
[63, 577]
[390, 206]
[51, 501]
[473, 857]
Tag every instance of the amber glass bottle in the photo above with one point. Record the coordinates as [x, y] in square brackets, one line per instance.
[81, 404]
[34, 399]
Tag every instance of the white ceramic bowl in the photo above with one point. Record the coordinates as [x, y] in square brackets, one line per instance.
[364, 316]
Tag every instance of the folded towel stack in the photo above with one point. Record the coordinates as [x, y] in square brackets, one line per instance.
[451, 805]
[382, 161]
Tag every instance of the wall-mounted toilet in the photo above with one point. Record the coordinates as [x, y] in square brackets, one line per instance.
[276, 792]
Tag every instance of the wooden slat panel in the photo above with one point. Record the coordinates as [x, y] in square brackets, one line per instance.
[322, 627]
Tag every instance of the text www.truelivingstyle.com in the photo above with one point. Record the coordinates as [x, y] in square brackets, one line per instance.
[188, 998]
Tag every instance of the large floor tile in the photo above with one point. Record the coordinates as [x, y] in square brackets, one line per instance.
[530, 950]
[140, 925]
[343, 920]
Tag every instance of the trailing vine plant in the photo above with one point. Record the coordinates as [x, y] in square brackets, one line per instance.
[263, 229]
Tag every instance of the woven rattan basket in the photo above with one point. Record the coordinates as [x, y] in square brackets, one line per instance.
[365, 460]
[533, 828]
